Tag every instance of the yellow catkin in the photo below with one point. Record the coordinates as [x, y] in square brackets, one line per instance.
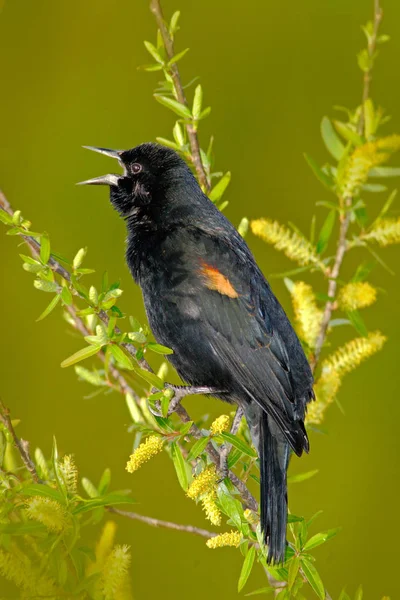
[205, 482]
[356, 169]
[48, 512]
[349, 356]
[231, 538]
[289, 242]
[17, 568]
[105, 543]
[69, 472]
[251, 516]
[384, 232]
[220, 425]
[325, 389]
[211, 509]
[356, 295]
[152, 446]
[341, 362]
[307, 314]
[115, 572]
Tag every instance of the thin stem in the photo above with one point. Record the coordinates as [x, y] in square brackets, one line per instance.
[21, 445]
[247, 498]
[166, 524]
[156, 9]
[342, 245]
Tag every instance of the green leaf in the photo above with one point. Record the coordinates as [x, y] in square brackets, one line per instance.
[178, 108]
[90, 488]
[326, 231]
[363, 271]
[197, 448]
[23, 529]
[149, 377]
[313, 578]
[302, 476]
[386, 207]
[109, 500]
[246, 568]
[229, 506]
[344, 595]
[159, 349]
[121, 357]
[197, 102]
[374, 188]
[45, 286]
[152, 50]
[177, 57]
[5, 217]
[219, 189]
[39, 489]
[264, 590]
[180, 466]
[80, 355]
[347, 133]
[359, 593]
[294, 567]
[104, 482]
[385, 172]
[239, 444]
[358, 323]
[78, 259]
[50, 307]
[44, 248]
[320, 538]
[319, 173]
[66, 296]
[294, 519]
[331, 140]
[173, 26]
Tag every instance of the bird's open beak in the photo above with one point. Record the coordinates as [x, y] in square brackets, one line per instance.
[110, 179]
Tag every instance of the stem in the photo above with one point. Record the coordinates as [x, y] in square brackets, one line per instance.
[214, 455]
[155, 7]
[342, 245]
[21, 445]
[159, 523]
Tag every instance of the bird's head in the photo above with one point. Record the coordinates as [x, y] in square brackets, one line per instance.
[149, 170]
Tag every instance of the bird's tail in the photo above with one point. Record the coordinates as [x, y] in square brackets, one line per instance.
[274, 460]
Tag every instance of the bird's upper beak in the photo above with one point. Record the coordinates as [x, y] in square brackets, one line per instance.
[110, 179]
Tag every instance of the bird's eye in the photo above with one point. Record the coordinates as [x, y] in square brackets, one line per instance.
[136, 168]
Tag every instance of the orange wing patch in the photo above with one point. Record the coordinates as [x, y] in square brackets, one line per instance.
[214, 280]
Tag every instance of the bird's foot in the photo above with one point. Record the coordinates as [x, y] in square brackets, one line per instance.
[180, 391]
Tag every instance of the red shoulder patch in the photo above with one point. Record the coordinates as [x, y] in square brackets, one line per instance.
[215, 280]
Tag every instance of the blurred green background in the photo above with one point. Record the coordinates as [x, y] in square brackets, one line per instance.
[270, 71]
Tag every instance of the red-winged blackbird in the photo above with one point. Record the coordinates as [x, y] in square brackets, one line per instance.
[208, 301]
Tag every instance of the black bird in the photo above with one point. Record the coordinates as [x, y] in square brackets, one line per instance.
[207, 299]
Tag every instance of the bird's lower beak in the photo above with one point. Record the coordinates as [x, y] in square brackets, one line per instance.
[110, 179]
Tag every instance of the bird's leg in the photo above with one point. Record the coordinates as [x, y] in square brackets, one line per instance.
[226, 448]
[180, 391]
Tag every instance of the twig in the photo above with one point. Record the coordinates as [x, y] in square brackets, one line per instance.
[347, 202]
[159, 523]
[247, 498]
[21, 445]
[155, 7]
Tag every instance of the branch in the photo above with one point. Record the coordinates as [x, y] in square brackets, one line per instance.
[345, 216]
[21, 445]
[155, 7]
[214, 455]
[159, 523]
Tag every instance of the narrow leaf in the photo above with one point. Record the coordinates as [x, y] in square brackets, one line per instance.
[385, 172]
[358, 323]
[44, 248]
[180, 466]
[159, 349]
[246, 568]
[326, 231]
[319, 173]
[49, 308]
[320, 538]
[331, 140]
[219, 189]
[294, 567]
[197, 448]
[174, 105]
[313, 578]
[239, 444]
[80, 355]
[120, 356]
[347, 133]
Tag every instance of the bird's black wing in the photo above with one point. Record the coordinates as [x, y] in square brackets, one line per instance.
[249, 332]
